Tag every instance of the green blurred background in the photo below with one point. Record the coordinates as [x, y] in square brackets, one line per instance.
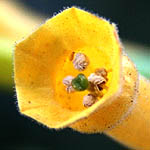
[18, 18]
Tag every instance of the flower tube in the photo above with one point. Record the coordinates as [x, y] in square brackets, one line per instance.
[72, 72]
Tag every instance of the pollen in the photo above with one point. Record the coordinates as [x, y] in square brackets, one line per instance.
[101, 72]
[80, 61]
[89, 100]
[67, 82]
[96, 81]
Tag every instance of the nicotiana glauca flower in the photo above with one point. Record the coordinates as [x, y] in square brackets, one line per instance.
[120, 108]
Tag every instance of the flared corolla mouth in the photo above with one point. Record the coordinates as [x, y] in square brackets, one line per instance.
[68, 68]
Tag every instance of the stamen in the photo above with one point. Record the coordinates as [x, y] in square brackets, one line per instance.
[96, 81]
[80, 61]
[89, 100]
[101, 72]
[67, 82]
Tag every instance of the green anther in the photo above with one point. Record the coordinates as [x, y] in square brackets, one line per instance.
[80, 83]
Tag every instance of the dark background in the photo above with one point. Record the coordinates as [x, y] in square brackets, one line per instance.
[20, 133]
[131, 16]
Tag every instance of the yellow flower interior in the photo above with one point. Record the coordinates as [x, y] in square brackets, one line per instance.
[74, 100]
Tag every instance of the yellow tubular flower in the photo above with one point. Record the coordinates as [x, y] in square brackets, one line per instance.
[44, 59]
